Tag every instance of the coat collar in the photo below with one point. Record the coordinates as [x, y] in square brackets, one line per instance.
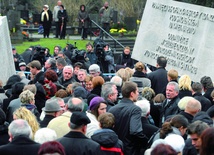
[75, 134]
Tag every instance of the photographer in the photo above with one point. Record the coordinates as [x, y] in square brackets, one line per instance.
[105, 56]
[80, 56]
[39, 54]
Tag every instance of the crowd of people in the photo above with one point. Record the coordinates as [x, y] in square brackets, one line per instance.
[64, 104]
[68, 106]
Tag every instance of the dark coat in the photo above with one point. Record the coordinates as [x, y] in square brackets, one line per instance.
[108, 141]
[207, 94]
[171, 108]
[148, 129]
[125, 60]
[183, 93]
[155, 112]
[188, 116]
[65, 83]
[128, 126]
[20, 145]
[45, 121]
[38, 78]
[189, 149]
[205, 103]
[47, 23]
[76, 143]
[83, 15]
[92, 57]
[158, 80]
[4, 134]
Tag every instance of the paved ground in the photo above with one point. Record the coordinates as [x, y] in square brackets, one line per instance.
[74, 37]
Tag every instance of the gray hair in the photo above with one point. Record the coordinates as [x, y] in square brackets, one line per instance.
[52, 62]
[61, 61]
[175, 84]
[31, 87]
[83, 70]
[75, 104]
[44, 135]
[107, 89]
[144, 106]
[117, 80]
[20, 127]
[69, 67]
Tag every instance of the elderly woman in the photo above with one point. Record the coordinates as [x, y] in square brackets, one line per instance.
[27, 99]
[46, 19]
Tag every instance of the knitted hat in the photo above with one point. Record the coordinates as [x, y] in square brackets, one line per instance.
[80, 92]
[95, 102]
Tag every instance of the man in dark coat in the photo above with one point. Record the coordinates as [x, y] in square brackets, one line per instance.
[35, 69]
[52, 109]
[20, 142]
[67, 76]
[170, 104]
[159, 77]
[75, 142]
[197, 94]
[128, 124]
[207, 84]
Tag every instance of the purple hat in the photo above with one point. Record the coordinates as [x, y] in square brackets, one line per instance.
[96, 101]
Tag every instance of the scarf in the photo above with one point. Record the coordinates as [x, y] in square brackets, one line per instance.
[43, 14]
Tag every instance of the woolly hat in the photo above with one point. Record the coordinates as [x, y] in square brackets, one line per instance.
[80, 92]
[96, 101]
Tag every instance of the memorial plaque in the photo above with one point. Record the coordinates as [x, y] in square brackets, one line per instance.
[183, 33]
[6, 57]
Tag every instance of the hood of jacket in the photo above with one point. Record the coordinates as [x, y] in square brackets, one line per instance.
[105, 137]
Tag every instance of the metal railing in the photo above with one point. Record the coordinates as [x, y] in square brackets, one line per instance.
[109, 35]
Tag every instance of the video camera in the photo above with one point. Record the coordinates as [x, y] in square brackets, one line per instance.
[40, 51]
[99, 45]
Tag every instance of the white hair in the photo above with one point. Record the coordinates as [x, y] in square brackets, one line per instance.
[144, 106]
[117, 80]
[44, 135]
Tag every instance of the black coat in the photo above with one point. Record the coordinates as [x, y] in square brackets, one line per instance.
[76, 143]
[108, 141]
[47, 22]
[171, 108]
[188, 116]
[183, 93]
[125, 60]
[207, 94]
[20, 145]
[205, 103]
[148, 129]
[128, 126]
[4, 134]
[65, 83]
[38, 78]
[45, 121]
[158, 80]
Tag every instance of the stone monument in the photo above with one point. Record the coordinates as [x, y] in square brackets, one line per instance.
[6, 57]
[181, 32]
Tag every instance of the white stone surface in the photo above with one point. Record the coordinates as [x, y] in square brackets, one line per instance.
[7, 67]
[182, 32]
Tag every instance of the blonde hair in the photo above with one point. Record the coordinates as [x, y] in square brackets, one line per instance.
[124, 74]
[139, 66]
[24, 113]
[184, 82]
[173, 74]
[26, 97]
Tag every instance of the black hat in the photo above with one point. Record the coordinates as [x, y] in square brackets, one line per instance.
[79, 118]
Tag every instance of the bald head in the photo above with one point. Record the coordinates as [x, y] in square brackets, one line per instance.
[75, 104]
[59, 3]
[193, 106]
